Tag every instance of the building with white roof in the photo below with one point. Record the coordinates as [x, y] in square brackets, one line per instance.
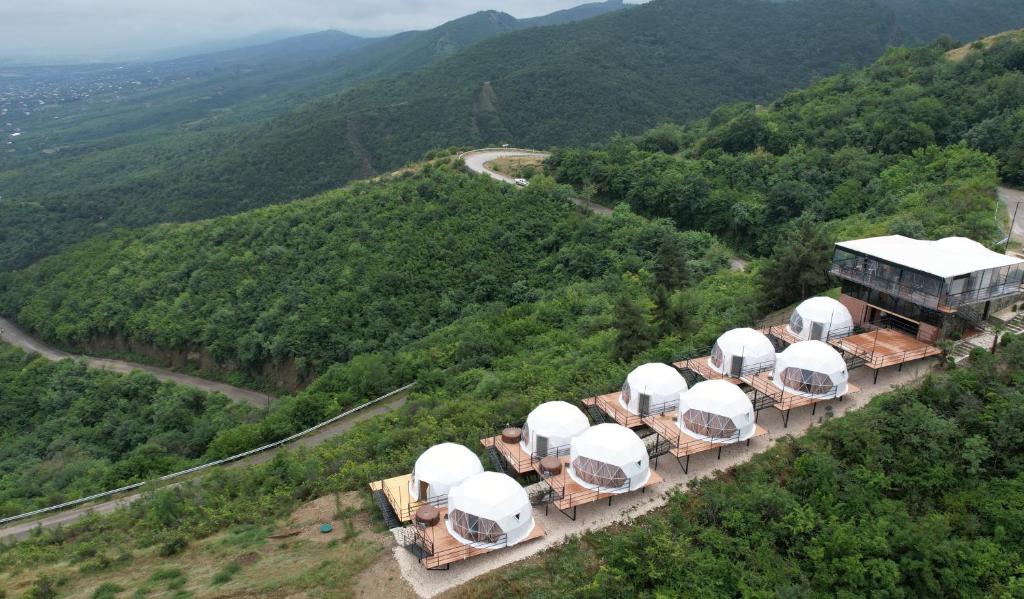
[929, 289]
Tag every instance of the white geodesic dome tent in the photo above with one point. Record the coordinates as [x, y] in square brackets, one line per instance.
[651, 386]
[440, 468]
[610, 458]
[741, 351]
[812, 369]
[821, 319]
[717, 411]
[550, 426]
[489, 508]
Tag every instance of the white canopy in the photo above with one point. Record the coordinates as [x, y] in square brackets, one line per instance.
[812, 369]
[820, 318]
[741, 351]
[552, 425]
[440, 468]
[610, 458]
[945, 258]
[489, 508]
[650, 386]
[717, 411]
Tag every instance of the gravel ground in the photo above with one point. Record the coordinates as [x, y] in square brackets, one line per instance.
[558, 527]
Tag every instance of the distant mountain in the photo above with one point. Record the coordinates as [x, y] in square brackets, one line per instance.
[302, 49]
[222, 45]
[571, 15]
[921, 21]
[270, 134]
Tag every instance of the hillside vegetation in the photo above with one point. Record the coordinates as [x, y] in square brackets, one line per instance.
[600, 295]
[69, 431]
[571, 84]
[917, 495]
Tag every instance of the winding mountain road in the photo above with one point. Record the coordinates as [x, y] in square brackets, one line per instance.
[477, 161]
[1012, 197]
[13, 335]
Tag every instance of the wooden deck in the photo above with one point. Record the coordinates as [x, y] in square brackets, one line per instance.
[610, 405]
[571, 494]
[783, 400]
[447, 550]
[683, 443]
[397, 491]
[703, 368]
[886, 347]
[513, 454]
[781, 332]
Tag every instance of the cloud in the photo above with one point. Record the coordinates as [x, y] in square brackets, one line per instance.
[105, 26]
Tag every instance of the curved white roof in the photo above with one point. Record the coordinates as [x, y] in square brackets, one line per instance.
[814, 356]
[945, 258]
[661, 381]
[442, 467]
[831, 313]
[558, 421]
[721, 398]
[612, 443]
[496, 497]
[747, 343]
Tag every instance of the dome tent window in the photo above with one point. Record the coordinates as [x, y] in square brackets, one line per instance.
[811, 368]
[598, 473]
[807, 381]
[475, 528]
[609, 458]
[716, 357]
[717, 411]
[796, 323]
[709, 425]
[489, 508]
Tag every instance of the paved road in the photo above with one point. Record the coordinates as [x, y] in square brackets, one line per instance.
[477, 160]
[10, 333]
[1010, 197]
[23, 529]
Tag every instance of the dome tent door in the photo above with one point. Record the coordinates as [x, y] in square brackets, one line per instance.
[541, 445]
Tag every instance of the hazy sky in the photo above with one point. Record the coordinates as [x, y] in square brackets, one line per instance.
[101, 27]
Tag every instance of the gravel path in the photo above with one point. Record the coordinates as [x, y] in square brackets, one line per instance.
[558, 527]
[10, 333]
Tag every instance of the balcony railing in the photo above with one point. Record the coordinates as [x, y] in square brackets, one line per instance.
[921, 296]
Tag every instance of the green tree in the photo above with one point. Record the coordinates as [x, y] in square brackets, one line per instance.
[633, 331]
[799, 266]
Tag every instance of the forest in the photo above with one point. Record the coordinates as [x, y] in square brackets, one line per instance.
[847, 506]
[537, 87]
[70, 431]
[909, 145]
[916, 495]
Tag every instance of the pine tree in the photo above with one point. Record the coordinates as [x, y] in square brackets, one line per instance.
[634, 332]
[669, 264]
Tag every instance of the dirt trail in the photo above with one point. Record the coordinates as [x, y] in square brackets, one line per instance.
[13, 335]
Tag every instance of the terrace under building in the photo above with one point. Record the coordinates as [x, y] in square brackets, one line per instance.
[605, 461]
[806, 373]
[437, 470]
[649, 389]
[484, 513]
[547, 431]
[711, 415]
